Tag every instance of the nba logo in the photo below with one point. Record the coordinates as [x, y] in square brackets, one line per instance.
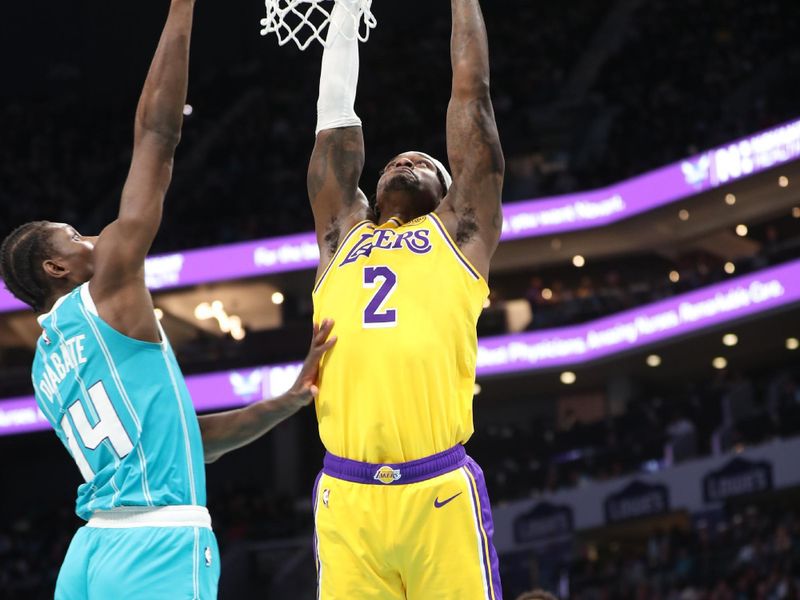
[45, 337]
[207, 555]
[326, 496]
[387, 475]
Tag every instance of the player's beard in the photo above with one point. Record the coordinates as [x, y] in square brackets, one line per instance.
[403, 182]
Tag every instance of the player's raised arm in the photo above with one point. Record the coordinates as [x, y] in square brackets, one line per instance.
[223, 432]
[122, 246]
[338, 157]
[473, 144]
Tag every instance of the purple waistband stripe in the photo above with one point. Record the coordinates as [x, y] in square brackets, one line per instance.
[395, 473]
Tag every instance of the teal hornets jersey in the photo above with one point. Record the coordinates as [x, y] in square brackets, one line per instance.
[121, 408]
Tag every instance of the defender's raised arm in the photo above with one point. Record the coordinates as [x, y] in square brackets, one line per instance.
[123, 245]
[338, 157]
[223, 432]
[473, 144]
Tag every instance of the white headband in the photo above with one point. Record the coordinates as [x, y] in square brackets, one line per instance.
[448, 180]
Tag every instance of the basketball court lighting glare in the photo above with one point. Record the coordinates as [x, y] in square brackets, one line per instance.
[792, 343]
[730, 268]
[683, 214]
[783, 181]
[547, 293]
[203, 311]
[238, 333]
[578, 261]
[741, 230]
[277, 298]
[654, 360]
[730, 199]
[188, 109]
[720, 362]
[730, 339]
[674, 276]
[568, 378]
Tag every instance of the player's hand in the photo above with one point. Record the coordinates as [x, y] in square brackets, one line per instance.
[305, 387]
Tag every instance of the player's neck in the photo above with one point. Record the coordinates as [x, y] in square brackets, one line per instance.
[401, 211]
[57, 292]
[400, 220]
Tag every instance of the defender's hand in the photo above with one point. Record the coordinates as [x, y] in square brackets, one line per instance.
[305, 387]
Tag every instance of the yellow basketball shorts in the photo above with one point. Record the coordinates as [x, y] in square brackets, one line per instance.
[420, 530]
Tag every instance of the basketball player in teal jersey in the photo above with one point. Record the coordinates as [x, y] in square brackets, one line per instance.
[107, 379]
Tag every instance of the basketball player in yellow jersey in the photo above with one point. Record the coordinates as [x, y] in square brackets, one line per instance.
[401, 512]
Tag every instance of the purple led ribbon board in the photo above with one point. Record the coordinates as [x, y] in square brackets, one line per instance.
[546, 216]
[686, 313]
[560, 347]
[643, 193]
[213, 391]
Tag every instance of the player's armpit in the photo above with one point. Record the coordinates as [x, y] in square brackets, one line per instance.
[473, 144]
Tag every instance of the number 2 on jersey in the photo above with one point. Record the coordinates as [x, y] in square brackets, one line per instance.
[375, 314]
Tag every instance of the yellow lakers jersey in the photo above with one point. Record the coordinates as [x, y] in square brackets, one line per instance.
[399, 383]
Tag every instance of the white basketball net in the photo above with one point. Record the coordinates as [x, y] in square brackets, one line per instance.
[304, 21]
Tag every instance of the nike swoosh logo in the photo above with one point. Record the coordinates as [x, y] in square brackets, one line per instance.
[438, 504]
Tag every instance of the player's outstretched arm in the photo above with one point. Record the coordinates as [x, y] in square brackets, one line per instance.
[223, 432]
[338, 157]
[122, 246]
[473, 144]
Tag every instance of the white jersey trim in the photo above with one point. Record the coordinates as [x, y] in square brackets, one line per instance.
[157, 516]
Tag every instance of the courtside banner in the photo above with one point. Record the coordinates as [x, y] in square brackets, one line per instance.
[684, 314]
[623, 200]
[531, 218]
[696, 486]
[213, 391]
[687, 313]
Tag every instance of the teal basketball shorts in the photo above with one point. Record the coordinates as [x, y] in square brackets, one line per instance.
[161, 553]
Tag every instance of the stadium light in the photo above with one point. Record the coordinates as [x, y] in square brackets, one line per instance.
[674, 276]
[277, 298]
[730, 339]
[568, 378]
[231, 324]
[158, 313]
[741, 230]
[730, 268]
[783, 181]
[477, 389]
[792, 343]
[730, 199]
[547, 294]
[203, 311]
[654, 360]
[683, 214]
[720, 362]
[578, 261]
